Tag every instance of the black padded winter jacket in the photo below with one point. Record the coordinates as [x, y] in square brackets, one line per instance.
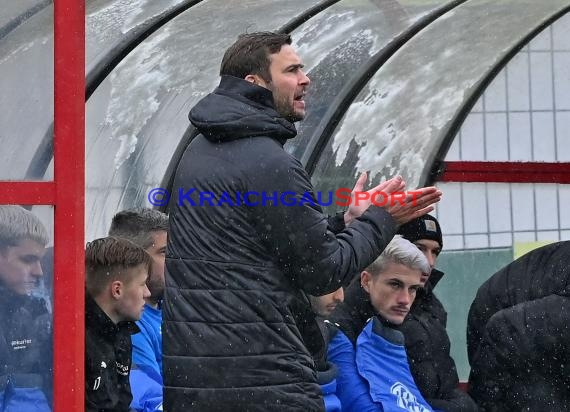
[239, 264]
[518, 334]
[108, 351]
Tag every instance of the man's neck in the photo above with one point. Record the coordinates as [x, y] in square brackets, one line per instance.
[153, 303]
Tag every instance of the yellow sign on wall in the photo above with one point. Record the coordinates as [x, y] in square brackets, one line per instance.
[522, 248]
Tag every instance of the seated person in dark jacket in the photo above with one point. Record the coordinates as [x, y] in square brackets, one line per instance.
[25, 324]
[368, 349]
[327, 372]
[427, 342]
[148, 229]
[116, 273]
[518, 334]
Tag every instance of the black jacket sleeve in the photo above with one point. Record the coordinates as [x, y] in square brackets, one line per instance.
[316, 259]
[458, 401]
[526, 336]
[336, 223]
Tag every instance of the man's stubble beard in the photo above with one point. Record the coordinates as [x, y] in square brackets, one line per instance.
[283, 107]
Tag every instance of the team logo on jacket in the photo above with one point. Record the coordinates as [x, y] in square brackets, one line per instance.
[122, 369]
[406, 399]
[19, 344]
[97, 383]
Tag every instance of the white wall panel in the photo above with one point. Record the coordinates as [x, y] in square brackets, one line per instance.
[496, 137]
[518, 83]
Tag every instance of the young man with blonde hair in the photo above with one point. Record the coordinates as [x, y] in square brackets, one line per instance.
[368, 349]
[25, 323]
[427, 343]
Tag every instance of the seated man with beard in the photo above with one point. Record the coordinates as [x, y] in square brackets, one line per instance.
[327, 372]
[147, 228]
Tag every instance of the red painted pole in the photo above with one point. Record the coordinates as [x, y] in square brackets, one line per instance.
[69, 177]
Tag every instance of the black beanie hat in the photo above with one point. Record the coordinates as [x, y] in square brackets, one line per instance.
[424, 227]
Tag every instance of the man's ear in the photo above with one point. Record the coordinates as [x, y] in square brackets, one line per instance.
[365, 279]
[116, 289]
[255, 79]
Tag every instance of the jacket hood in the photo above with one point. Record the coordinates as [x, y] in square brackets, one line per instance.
[97, 319]
[433, 280]
[237, 109]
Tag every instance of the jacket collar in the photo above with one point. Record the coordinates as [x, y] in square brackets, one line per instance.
[240, 109]
[387, 330]
[433, 280]
[11, 302]
[351, 315]
[11, 299]
[97, 319]
[246, 92]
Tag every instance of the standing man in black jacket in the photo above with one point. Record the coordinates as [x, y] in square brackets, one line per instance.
[116, 272]
[243, 245]
[427, 342]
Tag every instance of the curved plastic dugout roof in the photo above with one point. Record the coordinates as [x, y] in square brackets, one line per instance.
[26, 67]
[404, 118]
[336, 43]
[26, 84]
[109, 21]
[408, 113]
[137, 116]
[14, 13]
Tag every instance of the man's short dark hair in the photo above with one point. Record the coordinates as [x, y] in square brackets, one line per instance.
[18, 224]
[107, 259]
[137, 225]
[250, 54]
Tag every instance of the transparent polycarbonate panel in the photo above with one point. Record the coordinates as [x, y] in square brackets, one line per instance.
[26, 98]
[338, 41]
[137, 116]
[26, 290]
[26, 70]
[522, 116]
[400, 120]
[14, 13]
[109, 21]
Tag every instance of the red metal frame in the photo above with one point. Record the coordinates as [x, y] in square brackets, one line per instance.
[27, 193]
[69, 176]
[506, 172]
[66, 192]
